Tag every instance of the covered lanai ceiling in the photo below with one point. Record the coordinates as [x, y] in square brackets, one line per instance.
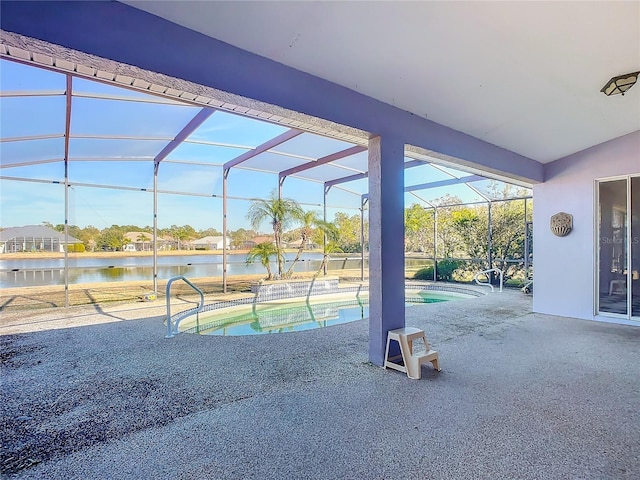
[525, 76]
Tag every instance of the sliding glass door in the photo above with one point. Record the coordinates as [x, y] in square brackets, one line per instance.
[619, 247]
[634, 243]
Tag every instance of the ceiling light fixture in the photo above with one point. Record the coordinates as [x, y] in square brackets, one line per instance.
[620, 84]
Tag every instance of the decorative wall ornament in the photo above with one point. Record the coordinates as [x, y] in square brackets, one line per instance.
[561, 224]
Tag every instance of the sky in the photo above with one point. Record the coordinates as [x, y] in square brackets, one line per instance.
[113, 140]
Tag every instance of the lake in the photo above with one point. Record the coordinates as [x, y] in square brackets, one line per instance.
[29, 272]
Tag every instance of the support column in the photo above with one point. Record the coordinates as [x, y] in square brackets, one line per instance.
[66, 232]
[363, 202]
[489, 244]
[225, 175]
[156, 166]
[435, 244]
[324, 237]
[526, 244]
[386, 242]
[67, 128]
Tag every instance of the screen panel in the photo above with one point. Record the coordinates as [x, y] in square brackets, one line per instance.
[17, 77]
[12, 153]
[200, 179]
[312, 145]
[359, 161]
[251, 184]
[27, 203]
[30, 116]
[121, 118]
[192, 152]
[304, 192]
[325, 173]
[100, 148]
[201, 213]
[272, 162]
[113, 172]
[52, 171]
[227, 128]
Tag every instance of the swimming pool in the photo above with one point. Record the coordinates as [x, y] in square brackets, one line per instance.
[292, 315]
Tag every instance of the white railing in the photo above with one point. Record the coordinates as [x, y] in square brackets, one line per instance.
[486, 274]
[173, 321]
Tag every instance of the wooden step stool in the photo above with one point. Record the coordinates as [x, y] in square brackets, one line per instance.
[411, 363]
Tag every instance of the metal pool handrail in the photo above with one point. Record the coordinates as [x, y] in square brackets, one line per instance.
[488, 283]
[172, 326]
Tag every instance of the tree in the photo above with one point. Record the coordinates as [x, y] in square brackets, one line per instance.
[507, 235]
[143, 238]
[182, 234]
[74, 231]
[463, 231]
[309, 220]
[330, 233]
[503, 191]
[209, 232]
[238, 237]
[263, 252]
[348, 228]
[418, 229]
[89, 236]
[447, 240]
[472, 225]
[281, 213]
[111, 238]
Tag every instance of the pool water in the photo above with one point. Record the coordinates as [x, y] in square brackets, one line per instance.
[294, 316]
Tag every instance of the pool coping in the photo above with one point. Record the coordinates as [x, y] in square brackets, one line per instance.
[177, 318]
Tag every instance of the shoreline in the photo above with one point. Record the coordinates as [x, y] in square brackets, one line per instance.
[167, 253]
[39, 298]
[164, 253]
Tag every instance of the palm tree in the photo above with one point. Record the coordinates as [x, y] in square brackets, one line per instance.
[331, 235]
[142, 237]
[309, 220]
[330, 247]
[281, 212]
[263, 252]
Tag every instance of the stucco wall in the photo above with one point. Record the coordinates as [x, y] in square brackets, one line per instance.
[565, 266]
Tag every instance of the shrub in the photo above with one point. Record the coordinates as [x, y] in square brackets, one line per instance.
[75, 247]
[446, 268]
[425, 273]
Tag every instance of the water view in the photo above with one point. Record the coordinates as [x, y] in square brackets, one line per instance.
[28, 272]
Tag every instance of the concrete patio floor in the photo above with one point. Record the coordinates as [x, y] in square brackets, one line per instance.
[521, 395]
